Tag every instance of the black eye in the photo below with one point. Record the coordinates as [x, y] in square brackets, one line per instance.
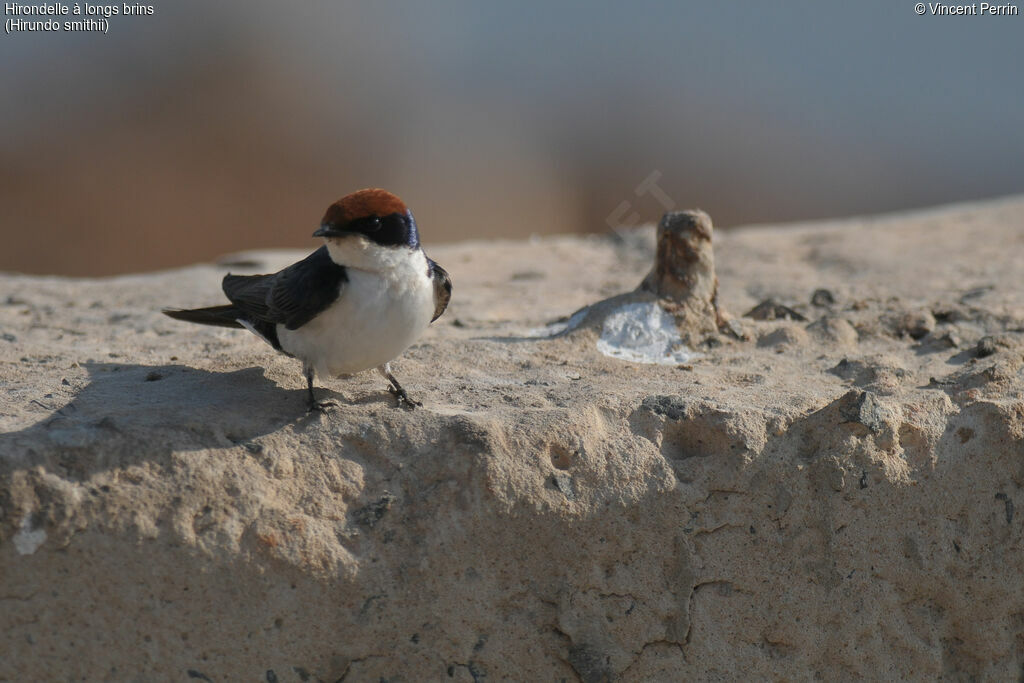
[373, 224]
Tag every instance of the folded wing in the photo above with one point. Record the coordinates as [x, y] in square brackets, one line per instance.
[291, 297]
[442, 288]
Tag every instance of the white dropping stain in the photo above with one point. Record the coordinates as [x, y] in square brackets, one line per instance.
[644, 333]
[28, 540]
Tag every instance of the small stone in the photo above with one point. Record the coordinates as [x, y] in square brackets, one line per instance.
[770, 309]
[563, 482]
[786, 336]
[822, 297]
[990, 345]
[527, 275]
[976, 292]
[948, 339]
[919, 325]
[834, 330]
[914, 324]
[370, 514]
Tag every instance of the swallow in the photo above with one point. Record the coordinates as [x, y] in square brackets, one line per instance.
[354, 304]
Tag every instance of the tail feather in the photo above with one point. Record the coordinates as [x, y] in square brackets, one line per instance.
[223, 316]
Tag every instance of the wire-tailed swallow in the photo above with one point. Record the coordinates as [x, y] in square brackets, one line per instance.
[354, 304]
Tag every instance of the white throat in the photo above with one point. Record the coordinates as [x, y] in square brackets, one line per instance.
[355, 251]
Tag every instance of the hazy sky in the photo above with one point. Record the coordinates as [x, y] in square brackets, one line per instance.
[503, 118]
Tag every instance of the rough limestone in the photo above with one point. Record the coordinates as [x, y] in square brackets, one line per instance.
[832, 497]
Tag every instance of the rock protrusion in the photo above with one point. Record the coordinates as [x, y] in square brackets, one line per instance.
[683, 276]
[674, 309]
[684, 263]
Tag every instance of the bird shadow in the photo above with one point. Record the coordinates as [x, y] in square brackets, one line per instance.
[129, 413]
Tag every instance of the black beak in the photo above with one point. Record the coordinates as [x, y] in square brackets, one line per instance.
[328, 230]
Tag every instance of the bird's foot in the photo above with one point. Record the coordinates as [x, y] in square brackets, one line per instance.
[403, 398]
[322, 407]
[396, 389]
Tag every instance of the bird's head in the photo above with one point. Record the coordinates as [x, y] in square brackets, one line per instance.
[369, 217]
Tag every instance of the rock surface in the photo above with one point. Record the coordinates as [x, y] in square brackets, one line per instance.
[834, 497]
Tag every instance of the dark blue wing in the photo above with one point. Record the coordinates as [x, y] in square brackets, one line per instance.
[291, 297]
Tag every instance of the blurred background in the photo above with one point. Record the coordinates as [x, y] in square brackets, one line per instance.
[208, 128]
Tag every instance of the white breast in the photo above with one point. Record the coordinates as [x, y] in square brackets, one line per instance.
[379, 314]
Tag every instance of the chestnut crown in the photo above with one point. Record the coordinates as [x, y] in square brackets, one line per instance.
[376, 214]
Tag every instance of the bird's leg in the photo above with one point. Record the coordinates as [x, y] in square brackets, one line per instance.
[312, 404]
[396, 388]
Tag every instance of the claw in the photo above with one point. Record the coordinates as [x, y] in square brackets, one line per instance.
[320, 406]
[311, 403]
[403, 397]
[396, 389]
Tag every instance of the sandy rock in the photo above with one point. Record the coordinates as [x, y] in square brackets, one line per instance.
[843, 501]
[783, 337]
[683, 274]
